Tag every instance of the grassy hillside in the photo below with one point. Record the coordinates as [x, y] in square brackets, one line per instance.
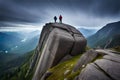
[59, 70]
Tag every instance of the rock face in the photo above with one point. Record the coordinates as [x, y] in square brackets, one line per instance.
[56, 41]
[85, 59]
[106, 67]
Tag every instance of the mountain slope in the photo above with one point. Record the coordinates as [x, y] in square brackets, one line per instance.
[18, 42]
[14, 66]
[108, 36]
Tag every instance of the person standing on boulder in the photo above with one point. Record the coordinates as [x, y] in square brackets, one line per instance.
[60, 19]
[55, 19]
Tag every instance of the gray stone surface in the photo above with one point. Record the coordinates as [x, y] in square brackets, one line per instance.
[106, 52]
[113, 58]
[85, 59]
[91, 72]
[46, 75]
[111, 68]
[67, 57]
[79, 45]
[106, 68]
[56, 41]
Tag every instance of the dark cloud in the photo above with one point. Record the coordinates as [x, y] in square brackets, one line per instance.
[31, 11]
[13, 12]
[106, 7]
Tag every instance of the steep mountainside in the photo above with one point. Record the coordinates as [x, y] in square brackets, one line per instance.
[108, 36]
[14, 66]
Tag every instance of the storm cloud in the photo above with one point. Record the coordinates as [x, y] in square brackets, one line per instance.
[76, 12]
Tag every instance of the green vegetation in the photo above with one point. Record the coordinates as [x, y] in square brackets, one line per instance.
[72, 75]
[58, 72]
[16, 69]
[117, 48]
[87, 48]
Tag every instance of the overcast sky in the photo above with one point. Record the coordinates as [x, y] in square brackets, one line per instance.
[79, 13]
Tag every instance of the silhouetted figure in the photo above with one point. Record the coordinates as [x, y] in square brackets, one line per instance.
[55, 19]
[60, 18]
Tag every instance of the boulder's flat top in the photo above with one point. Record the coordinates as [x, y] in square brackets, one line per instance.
[63, 26]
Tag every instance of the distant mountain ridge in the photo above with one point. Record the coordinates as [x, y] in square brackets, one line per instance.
[87, 32]
[108, 35]
[7, 40]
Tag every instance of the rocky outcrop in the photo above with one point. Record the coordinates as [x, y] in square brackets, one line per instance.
[99, 65]
[85, 59]
[56, 41]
